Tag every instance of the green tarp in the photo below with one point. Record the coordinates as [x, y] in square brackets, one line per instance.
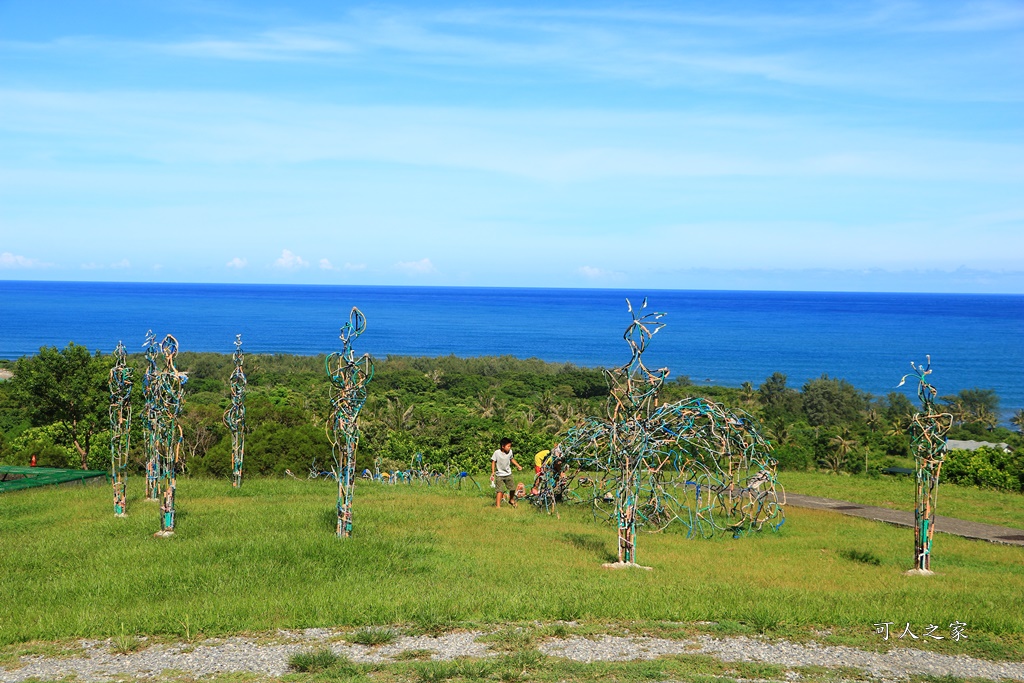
[13, 478]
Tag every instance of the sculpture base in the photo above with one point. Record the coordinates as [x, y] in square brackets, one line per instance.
[919, 572]
[624, 565]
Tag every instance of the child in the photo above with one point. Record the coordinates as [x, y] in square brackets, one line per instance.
[501, 472]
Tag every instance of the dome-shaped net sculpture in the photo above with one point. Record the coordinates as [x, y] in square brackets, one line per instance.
[693, 464]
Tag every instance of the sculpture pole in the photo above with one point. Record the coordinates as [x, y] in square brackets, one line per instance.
[349, 377]
[928, 440]
[633, 393]
[169, 395]
[234, 417]
[120, 384]
[150, 382]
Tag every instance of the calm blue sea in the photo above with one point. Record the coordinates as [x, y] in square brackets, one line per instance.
[716, 337]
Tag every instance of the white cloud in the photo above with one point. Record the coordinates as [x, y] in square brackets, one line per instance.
[9, 260]
[325, 264]
[355, 266]
[268, 46]
[119, 265]
[290, 261]
[421, 267]
[592, 273]
[237, 262]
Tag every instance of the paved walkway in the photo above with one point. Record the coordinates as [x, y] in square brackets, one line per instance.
[948, 525]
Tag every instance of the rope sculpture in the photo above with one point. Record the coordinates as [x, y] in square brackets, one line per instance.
[234, 417]
[349, 377]
[693, 463]
[120, 384]
[168, 396]
[634, 392]
[149, 426]
[928, 440]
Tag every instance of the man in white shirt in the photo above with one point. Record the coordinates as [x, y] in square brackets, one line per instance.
[501, 472]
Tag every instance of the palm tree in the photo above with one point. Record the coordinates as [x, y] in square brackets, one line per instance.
[843, 444]
[900, 425]
[747, 392]
[1018, 420]
[485, 405]
[547, 403]
[873, 419]
[779, 434]
[957, 409]
[986, 418]
[396, 416]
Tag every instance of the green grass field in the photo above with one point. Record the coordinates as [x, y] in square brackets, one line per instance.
[897, 493]
[266, 557]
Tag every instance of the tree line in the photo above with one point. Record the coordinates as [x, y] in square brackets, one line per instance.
[454, 411]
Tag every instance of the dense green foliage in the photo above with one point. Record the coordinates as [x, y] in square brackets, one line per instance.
[455, 410]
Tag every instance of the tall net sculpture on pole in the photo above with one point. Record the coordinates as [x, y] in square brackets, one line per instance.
[168, 396]
[349, 376]
[622, 444]
[234, 417]
[928, 430]
[120, 384]
[150, 385]
[633, 393]
[692, 464]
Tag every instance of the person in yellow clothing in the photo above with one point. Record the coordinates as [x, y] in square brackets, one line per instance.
[538, 467]
[538, 460]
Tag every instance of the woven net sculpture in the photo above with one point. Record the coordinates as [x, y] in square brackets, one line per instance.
[349, 376]
[234, 416]
[692, 464]
[928, 430]
[151, 412]
[120, 384]
[168, 394]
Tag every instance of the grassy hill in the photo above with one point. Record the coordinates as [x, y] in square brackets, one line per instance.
[265, 557]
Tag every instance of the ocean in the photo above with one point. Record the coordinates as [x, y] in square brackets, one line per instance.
[714, 337]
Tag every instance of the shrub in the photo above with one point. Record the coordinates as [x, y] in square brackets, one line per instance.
[985, 467]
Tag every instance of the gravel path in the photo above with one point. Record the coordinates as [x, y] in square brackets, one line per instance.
[897, 663]
[269, 656]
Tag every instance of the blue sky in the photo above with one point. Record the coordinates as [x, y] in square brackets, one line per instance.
[874, 146]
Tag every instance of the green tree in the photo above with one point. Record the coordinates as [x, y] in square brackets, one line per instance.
[1018, 420]
[872, 419]
[778, 400]
[828, 402]
[67, 387]
[842, 446]
[897, 406]
[973, 405]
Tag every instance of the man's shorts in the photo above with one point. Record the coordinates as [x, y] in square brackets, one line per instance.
[506, 483]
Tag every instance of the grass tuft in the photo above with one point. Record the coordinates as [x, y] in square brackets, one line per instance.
[865, 556]
[314, 661]
[511, 639]
[554, 631]
[764, 619]
[125, 643]
[372, 636]
[407, 655]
